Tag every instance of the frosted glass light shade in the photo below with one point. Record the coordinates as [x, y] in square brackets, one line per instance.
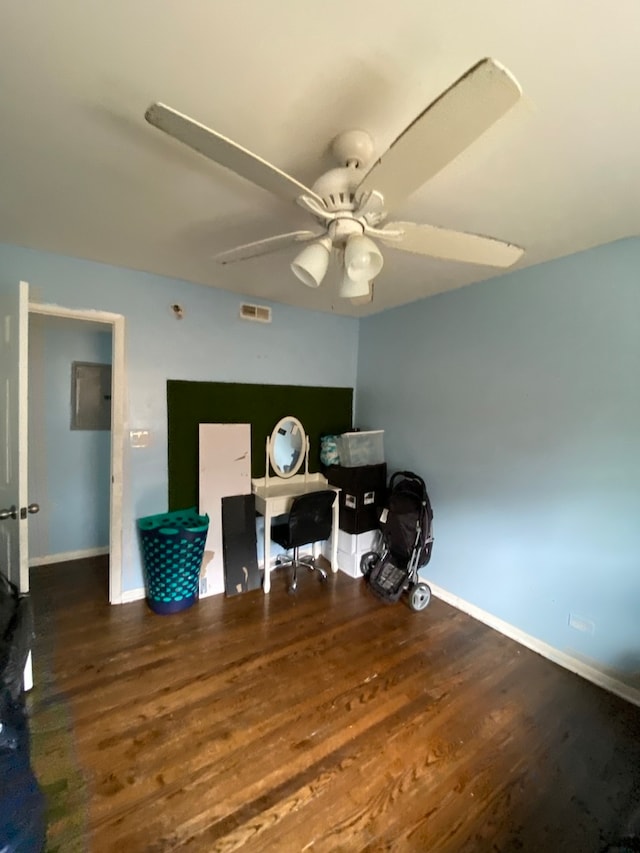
[350, 289]
[362, 258]
[310, 266]
[363, 300]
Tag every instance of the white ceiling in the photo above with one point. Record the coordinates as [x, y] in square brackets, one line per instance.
[82, 173]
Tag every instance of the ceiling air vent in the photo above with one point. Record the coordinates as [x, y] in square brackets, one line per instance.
[257, 313]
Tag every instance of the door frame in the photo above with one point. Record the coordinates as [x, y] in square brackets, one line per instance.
[118, 387]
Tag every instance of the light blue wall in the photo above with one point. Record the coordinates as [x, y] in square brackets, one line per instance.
[518, 399]
[210, 343]
[69, 470]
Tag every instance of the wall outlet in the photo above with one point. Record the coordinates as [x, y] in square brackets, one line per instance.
[580, 623]
[203, 585]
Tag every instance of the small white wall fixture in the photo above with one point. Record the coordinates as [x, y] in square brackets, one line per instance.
[118, 380]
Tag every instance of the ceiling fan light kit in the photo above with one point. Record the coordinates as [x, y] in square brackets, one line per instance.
[349, 288]
[350, 203]
[363, 300]
[362, 258]
[311, 265]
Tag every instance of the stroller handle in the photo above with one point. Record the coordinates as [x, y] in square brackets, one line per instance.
[412, 476]
[408, 475]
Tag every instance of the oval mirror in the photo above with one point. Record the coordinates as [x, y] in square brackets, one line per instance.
[287, 446]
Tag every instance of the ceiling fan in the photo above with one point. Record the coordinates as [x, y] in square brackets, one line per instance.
[350, 203]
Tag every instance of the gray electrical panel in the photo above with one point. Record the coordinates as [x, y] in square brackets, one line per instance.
[90, 395]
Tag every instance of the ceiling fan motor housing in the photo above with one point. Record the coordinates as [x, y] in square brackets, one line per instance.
[337, 188]
[343, 227]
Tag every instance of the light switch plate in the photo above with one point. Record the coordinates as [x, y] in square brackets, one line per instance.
[139, 437]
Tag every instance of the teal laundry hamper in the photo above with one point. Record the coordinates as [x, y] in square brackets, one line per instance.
[172, 550]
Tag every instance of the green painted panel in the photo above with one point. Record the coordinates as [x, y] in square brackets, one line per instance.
[320, 410]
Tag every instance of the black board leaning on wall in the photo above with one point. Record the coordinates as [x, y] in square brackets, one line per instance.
[320, 410]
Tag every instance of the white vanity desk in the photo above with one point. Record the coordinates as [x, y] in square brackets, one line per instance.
[274, 495]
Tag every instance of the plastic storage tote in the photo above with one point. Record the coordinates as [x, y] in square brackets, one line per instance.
[361, 448]
[172, 550]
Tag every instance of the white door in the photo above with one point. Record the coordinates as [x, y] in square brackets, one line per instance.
[14, 505]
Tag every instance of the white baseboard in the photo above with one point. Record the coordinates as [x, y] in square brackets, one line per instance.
[140, 593]
[68, 555]
[585, 670]
[133, 595]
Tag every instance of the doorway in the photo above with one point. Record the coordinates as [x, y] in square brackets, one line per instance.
[81, 471]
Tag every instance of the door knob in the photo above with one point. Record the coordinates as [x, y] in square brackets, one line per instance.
[12, 512]
[31, 509]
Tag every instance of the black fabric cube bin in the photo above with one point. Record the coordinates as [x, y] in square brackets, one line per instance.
[359, 520]
[363, 494]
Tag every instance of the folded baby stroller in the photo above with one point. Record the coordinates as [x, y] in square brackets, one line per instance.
[404, 543]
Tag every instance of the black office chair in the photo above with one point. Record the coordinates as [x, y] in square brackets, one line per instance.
[310, 520]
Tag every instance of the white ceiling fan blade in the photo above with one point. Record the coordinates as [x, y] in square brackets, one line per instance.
[446, 127]
[227, 153]
[265, 247]
[450, 245]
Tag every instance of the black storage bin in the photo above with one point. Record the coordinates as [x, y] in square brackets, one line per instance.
[359, 520]
[363, 494]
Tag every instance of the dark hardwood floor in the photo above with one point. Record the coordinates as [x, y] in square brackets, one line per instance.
[327, 721]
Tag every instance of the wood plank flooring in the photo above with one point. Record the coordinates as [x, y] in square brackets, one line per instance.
[327, 721]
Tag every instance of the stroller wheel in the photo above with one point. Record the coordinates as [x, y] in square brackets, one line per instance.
[369, 561]
[420, 596]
